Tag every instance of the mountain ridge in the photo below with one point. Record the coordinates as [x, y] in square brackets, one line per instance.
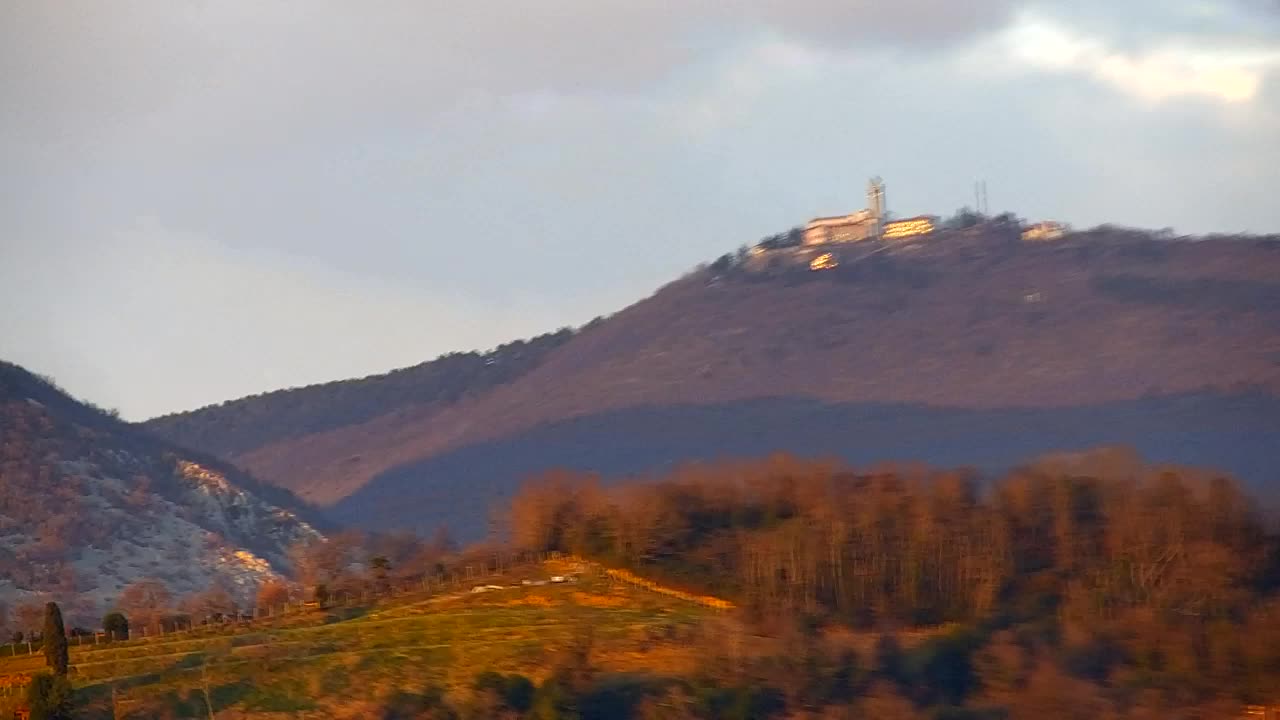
[286, 413]
[967, 319]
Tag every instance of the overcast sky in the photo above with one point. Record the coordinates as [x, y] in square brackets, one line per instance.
[203, 199]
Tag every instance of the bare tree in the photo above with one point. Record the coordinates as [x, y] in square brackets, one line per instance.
[216, 602]
[145, 602]
[29, 617]
[274, 593]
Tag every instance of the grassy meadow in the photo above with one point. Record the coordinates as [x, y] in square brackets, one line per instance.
[343, 662]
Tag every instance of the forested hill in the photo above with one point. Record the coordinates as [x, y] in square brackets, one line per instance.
[1102, 324]
[89, 504]
[1150, 590]
[238, 426]
[922, 546]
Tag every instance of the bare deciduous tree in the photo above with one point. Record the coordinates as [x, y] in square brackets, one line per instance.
[145, 602]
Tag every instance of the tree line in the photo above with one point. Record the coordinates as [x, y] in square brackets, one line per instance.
[1160, 580]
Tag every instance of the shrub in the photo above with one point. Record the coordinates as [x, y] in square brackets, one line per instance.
[116, 625]
[49, 698]
[427, 705]
[514, 692]
[554, 701]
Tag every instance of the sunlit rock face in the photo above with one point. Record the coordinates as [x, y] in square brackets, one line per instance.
[89, 505]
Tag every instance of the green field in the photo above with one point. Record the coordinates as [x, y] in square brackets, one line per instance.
[332, 663]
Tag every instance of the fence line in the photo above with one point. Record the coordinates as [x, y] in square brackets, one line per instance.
[372, 592]
[630, 578]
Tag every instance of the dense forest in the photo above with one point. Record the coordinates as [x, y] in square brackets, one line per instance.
[1107, 585]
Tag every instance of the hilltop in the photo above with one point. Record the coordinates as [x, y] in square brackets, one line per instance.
[968, 348]
[90, 504]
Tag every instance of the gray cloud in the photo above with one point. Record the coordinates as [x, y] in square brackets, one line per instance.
[1138, 24]
[236, 64]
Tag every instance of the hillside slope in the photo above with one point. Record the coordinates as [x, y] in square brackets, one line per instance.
[239, 426]
[458, 488]
[89, 504]
[975, 321]
[366, 653]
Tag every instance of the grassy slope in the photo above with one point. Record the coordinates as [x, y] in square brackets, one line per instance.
[342, 662]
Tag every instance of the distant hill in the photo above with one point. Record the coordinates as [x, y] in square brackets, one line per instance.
[1239, 435]
[238, 426]
[89, 504]
[1103, 322]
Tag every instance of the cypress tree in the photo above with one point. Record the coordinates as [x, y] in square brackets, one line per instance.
[55, 640]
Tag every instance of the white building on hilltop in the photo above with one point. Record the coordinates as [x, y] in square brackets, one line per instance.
[854, 227]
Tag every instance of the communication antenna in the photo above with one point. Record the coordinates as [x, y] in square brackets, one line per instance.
[875, 203]
[980, 197]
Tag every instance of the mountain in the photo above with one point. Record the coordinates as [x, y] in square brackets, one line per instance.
[240, 426]
[968, 348]
[90, 504]
[459, 487]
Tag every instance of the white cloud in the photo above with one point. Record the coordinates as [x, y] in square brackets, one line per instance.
[1171, 69]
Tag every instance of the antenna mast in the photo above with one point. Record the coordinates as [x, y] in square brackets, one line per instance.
[980, 204]
[875, 203]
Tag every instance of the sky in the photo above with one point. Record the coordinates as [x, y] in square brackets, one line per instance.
[201, 200]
